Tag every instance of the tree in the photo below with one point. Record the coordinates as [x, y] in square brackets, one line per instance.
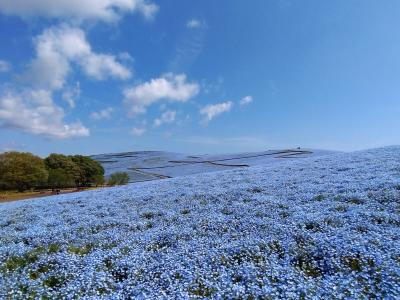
[64, 164]
[118, 178]
[59, 178]
[22, 171]
[91, 171]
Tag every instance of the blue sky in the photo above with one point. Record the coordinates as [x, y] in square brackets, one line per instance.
[101, 76]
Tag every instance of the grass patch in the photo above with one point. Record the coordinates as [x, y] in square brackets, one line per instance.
[305, 263]
[18, 262]
[275, 247]
[185, 211]
[81, 251]
[319, 198]
[54, 248]
[54, 282]
[355, 201]
[353, 263]
[200, 289]
[313, 226]
[226, 211]
[255, 190]
[341, 208]
[148, 215]
[42, 269]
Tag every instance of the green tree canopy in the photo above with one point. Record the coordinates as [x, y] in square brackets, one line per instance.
[22, 171]
[67, 170]
[91, 171]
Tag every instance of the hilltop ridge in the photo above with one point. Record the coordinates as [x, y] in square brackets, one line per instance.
[153, 165]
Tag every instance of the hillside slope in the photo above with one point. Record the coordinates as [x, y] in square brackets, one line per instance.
[323, 227]
[153, 165]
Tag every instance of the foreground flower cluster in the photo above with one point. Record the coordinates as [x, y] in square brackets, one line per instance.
[322, 228]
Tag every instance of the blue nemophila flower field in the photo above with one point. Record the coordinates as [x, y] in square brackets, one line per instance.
[319, 228]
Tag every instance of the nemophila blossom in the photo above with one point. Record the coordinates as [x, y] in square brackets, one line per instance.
[320, 228]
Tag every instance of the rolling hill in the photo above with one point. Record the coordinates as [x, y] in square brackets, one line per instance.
[152, 165]
[320, 227]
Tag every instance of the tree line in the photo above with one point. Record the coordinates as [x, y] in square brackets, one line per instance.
[23, 170]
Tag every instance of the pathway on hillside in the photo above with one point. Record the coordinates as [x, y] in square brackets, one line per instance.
[153, 165]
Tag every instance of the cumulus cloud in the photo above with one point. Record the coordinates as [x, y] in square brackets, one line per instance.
[194, 23]
[169, 87]
[246, 100]
[138, 131]
[4, 66]
[58, 47]
[211, 111]
[101, 66]
[102, 114]
[35, 112]
[105, 10]
[166, 118]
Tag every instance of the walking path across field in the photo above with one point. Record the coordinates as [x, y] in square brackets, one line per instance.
[153, 165]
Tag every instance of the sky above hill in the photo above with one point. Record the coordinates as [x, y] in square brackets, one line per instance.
[98, 76]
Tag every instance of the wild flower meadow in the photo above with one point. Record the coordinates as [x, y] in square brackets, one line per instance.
[320, 228]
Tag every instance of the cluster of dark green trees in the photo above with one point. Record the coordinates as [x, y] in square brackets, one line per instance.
[22, 171]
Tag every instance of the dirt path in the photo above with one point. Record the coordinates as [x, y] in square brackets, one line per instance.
[159, 176]
[288, 153]
[30, 195]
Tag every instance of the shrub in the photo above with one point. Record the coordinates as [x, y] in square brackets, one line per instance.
[118, 178]
[99, 180]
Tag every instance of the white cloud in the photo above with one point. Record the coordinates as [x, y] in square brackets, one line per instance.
[246, 100]
[105, 10]
[137, 131]
[4, 66]
[101, 66]
[58, 47]
[35, 112]
[169, 87]
[70, 95]
[194, 23]
[148, 10]
[166, 118]
[210, 111]
[102, 114]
